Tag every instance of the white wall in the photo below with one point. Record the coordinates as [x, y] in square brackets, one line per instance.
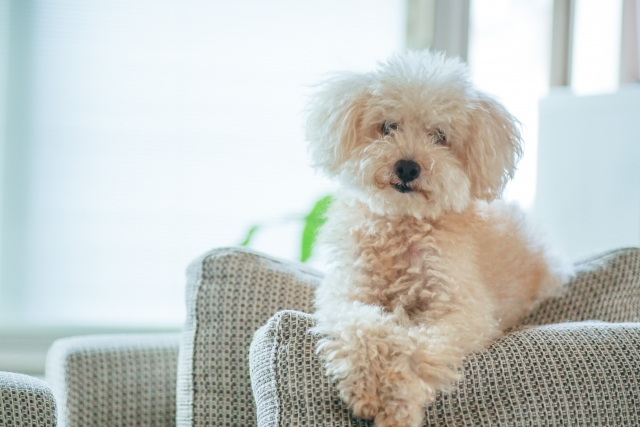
[588, 189]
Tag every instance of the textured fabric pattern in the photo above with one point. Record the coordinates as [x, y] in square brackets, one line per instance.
[288, 380]
[579, 374]
[115, 380]
[606, 287]
[25, 402]
[230, 294]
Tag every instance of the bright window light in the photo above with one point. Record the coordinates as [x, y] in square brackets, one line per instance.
[161, 130]
[509, 49]
[596, 46]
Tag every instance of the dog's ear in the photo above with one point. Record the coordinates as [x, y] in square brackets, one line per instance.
[334, 120]
[493, 147]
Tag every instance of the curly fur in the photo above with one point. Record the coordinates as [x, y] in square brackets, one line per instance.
[418, 279]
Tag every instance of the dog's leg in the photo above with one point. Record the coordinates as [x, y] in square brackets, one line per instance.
[426, 360]
[355, 350]
[388, 367]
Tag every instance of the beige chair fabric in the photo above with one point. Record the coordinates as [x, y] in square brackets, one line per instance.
[576, 371]
[230, 294]
[115, 380]
[25, 402]
[606, 288]
[579, 373]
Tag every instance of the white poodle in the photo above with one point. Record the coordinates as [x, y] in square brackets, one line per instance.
[426, 265]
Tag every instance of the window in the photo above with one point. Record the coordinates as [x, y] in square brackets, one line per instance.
[140, 134]
[155, 131]
[596, 46]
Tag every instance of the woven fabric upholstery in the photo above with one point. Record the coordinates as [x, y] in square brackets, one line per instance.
[288, 381]
[579, 374]
[230, 294]
[115, 380]
[606, 287]
[25, 402]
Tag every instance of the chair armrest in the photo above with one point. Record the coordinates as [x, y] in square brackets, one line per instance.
[115, 380]
[584, 373]
[230, 294]
[25, 401]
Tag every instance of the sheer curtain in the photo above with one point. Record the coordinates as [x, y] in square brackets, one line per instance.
[161, 129]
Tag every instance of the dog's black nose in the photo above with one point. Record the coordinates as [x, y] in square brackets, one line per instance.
[407, 170]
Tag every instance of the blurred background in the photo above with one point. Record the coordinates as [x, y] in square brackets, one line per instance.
[136, 135]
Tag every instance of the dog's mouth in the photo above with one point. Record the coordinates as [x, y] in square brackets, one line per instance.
[403, 188]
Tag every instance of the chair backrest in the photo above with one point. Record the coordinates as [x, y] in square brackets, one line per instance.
[230, 294]
[605, 288]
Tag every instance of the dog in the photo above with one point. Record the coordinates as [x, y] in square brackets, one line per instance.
[426, 264]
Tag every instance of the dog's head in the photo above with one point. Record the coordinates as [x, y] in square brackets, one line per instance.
[413, 137]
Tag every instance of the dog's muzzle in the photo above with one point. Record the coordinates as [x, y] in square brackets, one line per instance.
[406, 171]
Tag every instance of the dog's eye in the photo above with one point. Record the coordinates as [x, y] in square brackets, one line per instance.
[388, 127]
[439, 136]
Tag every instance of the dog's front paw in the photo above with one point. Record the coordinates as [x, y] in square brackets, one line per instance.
[400, 414]
[361, 396]
[355, 373]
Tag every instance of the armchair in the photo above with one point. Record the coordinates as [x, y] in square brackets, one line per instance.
[547, 372]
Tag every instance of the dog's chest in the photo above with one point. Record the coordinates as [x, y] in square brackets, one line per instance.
[394, 258]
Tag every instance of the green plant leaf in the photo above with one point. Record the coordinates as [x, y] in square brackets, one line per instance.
[312, 224]
[247, 239]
